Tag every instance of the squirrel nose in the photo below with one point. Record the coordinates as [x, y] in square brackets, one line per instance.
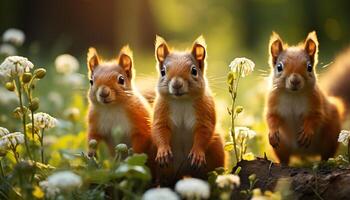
[295, 81]
[104, 92]
[177, 85]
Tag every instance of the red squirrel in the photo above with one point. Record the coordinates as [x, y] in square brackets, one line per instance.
[336, 79]
[184, 118]
[114, 103]
[301, 119]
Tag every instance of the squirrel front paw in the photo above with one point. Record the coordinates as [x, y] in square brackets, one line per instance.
[164, 155]
[304, 138]
[197, 158]
[274, 139]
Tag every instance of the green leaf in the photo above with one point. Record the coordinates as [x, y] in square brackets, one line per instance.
[137, 159]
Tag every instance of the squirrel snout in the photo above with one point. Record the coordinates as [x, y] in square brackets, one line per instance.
[104, 92]
[295, 81]
[177, 84]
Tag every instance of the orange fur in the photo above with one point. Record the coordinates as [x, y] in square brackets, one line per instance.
[117, 104]
[300, 117]
[184, 118]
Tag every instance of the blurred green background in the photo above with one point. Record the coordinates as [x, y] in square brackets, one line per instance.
[232, 28]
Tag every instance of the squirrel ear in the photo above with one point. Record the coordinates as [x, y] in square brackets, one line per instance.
[199, 51]
[125, 60]
[275, 47]
[311, 45]
[92, 60]
[161, 49]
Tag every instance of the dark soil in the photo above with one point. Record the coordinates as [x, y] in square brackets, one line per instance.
[295, 182]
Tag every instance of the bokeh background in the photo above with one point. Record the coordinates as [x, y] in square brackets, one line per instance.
[232, 28]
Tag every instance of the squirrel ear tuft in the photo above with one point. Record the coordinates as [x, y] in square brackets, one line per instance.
[311, 45]
[199, 51]
[161, 49]
[275, 47]
[93, 59]
[126, 60]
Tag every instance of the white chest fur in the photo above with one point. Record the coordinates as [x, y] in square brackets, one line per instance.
[114, 120]
[292, 108]
[183, 118]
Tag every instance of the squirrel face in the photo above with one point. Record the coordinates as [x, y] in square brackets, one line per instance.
[182, 74]
[110, 82]
[293, 67]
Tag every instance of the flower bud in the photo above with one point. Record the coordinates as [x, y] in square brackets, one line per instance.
[10, 86]
[26, 77]
[40, 73]
[238, 109]
[17, 113]
[93, 144]
[122, 148]
[34, 105]
[252, 177]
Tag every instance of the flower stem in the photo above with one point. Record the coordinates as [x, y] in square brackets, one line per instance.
[234, 93]
[2, 169]
[349, 150]
[42, 146]
[19, 89]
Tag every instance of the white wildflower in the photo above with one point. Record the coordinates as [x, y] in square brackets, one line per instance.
[73, 80]
[7, 50]
[344, 137]
[50, 190]
[44, 120]
[193, 188]
[243, 65]
[3, 131]
[160, 194]
[228, 180]
[14, 36]
[64, 180]
[11, 139]
[244, 133]
[66, 64]
[15, 65]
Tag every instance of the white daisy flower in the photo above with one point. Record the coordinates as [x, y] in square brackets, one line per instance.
[228, 180]
[15, 65]
[14, 36]
[160, 194]
[244, 65]
[44, 120]
[344, 137]
[7, 50]
[192, 188]
[64, 180]
[66, 64]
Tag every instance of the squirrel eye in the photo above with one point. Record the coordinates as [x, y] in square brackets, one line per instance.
[121, 80]
[162, 71]
[194, 71]
[91, 82]
[279, 67]
[309, 67]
